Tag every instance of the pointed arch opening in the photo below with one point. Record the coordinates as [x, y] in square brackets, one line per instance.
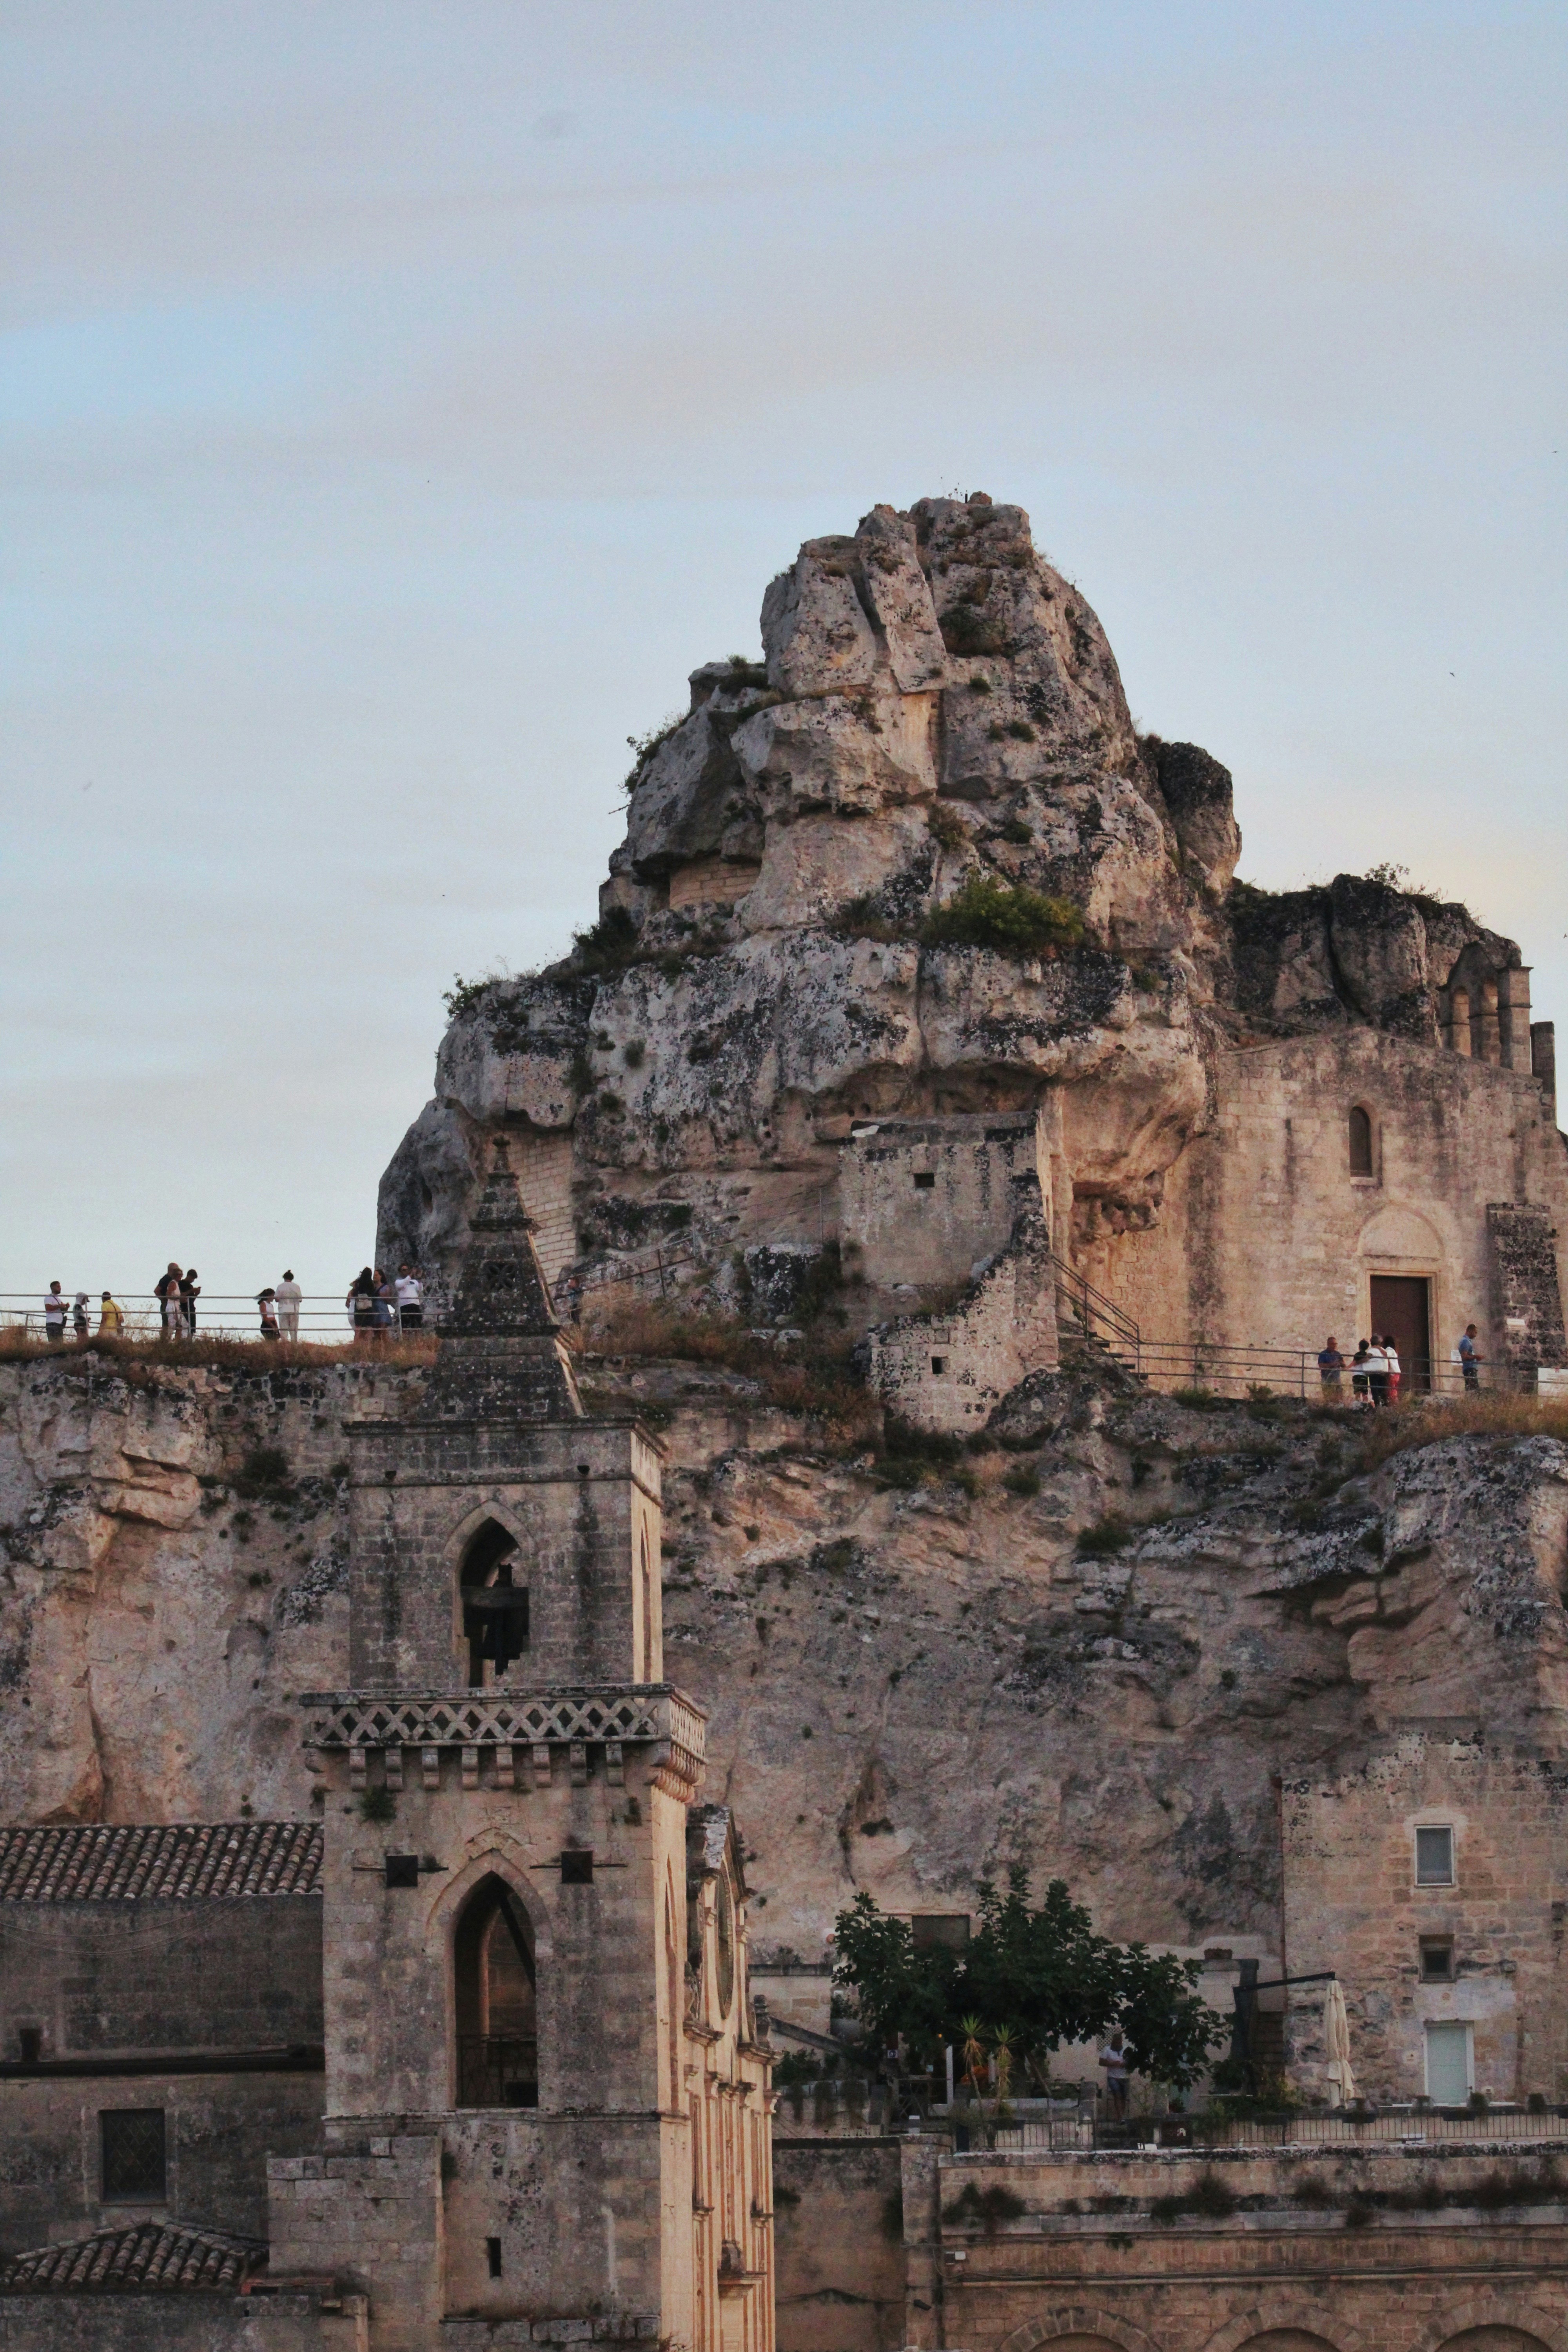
[495, 1988]
[495, 1603]
[1360, 1138]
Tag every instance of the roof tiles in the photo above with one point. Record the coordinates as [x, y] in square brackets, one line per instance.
[145, 2257]
[172, 1862]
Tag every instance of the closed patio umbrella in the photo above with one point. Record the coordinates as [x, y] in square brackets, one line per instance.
[1337, 2034]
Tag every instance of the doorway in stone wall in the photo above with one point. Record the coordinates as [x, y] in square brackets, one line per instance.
[1402, 1306]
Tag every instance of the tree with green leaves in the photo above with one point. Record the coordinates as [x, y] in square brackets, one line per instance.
[1034, 1977]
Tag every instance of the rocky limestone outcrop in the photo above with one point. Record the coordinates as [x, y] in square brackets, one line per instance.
[936, 704]
[1090, 1648]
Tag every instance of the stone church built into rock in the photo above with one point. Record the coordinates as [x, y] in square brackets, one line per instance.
[873, 1439]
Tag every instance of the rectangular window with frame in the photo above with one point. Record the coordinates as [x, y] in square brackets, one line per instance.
[135, 2165]
[1434, 1857]
[1436, 1960]
[939, 1930]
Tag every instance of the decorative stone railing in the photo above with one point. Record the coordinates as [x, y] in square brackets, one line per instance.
[512, 1728]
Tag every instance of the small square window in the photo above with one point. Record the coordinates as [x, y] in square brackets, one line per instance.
[925, 1181]
[576, 1868]
[939, 1930]
[133, 2164]
[1436, 1960]
[402, 1870]
[939, 1365]
[30, 2040]
[1434, 1857]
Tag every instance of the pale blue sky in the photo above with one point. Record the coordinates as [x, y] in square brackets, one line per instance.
[397, 401]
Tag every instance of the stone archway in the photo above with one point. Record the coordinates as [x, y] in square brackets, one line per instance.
[1494, 2331]
[1079, 2328]
[1283, 2323]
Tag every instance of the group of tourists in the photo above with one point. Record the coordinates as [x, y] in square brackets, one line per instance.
[377, 1304]
[1375, 1371]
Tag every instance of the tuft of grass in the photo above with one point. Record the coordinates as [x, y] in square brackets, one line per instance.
[1022, 1480]
[377, 1805]
[643, 747]
[1385, 1435]
[945, 825]
[815, 1377]
[139, 1361]
[1007, 917]
[608, 945]
[1108, 1534]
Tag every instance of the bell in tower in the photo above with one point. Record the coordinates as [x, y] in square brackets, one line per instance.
[535, 2041]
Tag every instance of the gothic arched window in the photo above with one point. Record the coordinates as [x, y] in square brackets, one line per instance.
[1361, 1142]
[495, 1996]
[495, 1607]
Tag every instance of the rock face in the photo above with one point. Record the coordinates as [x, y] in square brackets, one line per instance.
[908, 1683]
[937, 706]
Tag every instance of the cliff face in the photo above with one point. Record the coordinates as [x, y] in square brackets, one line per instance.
[938, 709]
[908, 1683]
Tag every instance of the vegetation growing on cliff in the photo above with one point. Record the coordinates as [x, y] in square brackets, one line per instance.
[1007, 917]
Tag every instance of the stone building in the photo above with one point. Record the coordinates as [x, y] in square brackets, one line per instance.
[474, 2061]
[1264, 1116]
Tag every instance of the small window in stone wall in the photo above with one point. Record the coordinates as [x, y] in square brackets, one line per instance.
[1434, 1857]
[134, 2158]
[939, 1930]
[576, 1868]
[1436, 1960]
[939, 1365]
[925, 1181]
[1361, 1142]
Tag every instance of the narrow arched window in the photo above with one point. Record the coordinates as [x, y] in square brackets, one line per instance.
[1361, 1142]
[647, 1612]
[495, 1996]
[495, 1604]
[673, 1994]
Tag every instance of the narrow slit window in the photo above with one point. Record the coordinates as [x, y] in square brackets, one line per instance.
[1361, 1142]
[492, 2256]
[1434, 1857]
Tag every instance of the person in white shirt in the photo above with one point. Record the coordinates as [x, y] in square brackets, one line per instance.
[1116, 2058]
[1377, 1371]
[55, 1313]
[287, 1296]
[410, 1299]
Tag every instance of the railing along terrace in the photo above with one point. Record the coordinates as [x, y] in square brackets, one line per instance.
[1082, 2127]
[323, 1319]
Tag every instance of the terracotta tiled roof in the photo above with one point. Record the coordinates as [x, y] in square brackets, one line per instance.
[172, 1862]
[146, 2258]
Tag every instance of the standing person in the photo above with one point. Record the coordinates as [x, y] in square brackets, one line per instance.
[410, 1298]
[55, 1313]
[1330, 1370]
[287, 1295]
[1470, 1362]
[1358, 1373]
[267, 1301]
[1116, 2058]
[78, 1316]
[1376, 1371]
[166, 1291]
[190, 1291]
[385, 1302]
[111, 1317]
[1392, 1353]
[361, 1303]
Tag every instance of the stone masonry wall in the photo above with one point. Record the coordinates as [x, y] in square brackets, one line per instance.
[219, 2130]
[1267, 1239]
[1351, 1903]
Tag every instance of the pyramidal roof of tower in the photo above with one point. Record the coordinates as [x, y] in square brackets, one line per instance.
[502, 1354]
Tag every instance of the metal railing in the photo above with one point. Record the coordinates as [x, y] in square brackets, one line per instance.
[1087, 2127]
[496, 2070]
[323, 1319]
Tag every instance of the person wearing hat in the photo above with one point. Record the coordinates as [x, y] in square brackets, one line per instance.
[111, 1317]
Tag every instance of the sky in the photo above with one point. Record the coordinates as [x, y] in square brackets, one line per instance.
[397, 401]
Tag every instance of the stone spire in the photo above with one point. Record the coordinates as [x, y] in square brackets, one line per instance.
[502, 1356]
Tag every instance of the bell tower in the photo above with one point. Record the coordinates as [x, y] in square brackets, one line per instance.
[525, 2069]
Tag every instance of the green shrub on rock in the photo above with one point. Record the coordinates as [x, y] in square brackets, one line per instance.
[1007, 917]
